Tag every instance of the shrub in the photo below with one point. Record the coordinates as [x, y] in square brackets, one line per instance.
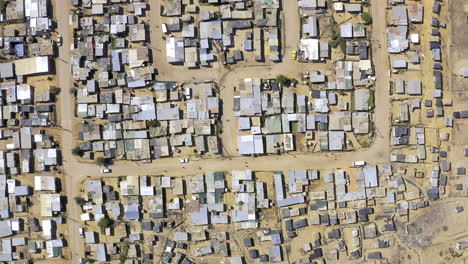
[152, 123]
[364, 144]
[105, 222]
[339, 41]
[333, 43]
[283, 80]
[79, 200]
[124, 252]
[101, 161]
[76, 151]
[73, 90]
[54, 90]
[371, 100]
[342, 44]
[366, 18]
[333, 29]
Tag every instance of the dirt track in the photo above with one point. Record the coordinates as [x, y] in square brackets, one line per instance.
[76, 172]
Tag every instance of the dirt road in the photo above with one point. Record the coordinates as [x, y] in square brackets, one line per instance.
[66, 101]
[76, 172]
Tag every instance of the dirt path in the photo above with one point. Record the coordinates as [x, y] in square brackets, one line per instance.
[70, 164]
[76, 172]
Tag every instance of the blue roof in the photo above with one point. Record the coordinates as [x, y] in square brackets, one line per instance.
[19, 50]
[116, 66]
[133, 212]
[248, 44]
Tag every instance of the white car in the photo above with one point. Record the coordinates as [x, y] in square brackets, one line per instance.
[106, 170]
[359, 163]
[188, 93]
[59, 40]
[183, 160]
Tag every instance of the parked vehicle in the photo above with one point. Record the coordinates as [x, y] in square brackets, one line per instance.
[188, 93]
[106, 170]
[59, 40]
[183, 160]
[294, 55]
[360, 163]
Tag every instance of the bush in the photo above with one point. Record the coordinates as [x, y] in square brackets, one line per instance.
[333, 43]
[152, 123]
[366, 18]
[2, 5]
[371, 100]
[76, 151]
[219, 128]
[124, 252]
[79, 200]
[364, 144]
[281, 79]
[284, 81]
[73, 90]
[338, 42]
[333, 30]
[342, 44]
[54, 90]
[101, 161]
[105, 222]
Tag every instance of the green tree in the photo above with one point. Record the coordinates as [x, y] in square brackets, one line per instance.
[124, 252]
[366, 18]
[335, 33]
[105, 222]
[77, 151]
[338, 42]
[152, 123]
[79, 200]
[73, 90]
[54, 90]
[283, 80]
[101, 161]
[371, 99]
[364, 144]
[342, 43]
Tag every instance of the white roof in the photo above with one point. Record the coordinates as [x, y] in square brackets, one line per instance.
[44, 183]
[23, 92]
[31, 66]
[310, 49]
[47, 228]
